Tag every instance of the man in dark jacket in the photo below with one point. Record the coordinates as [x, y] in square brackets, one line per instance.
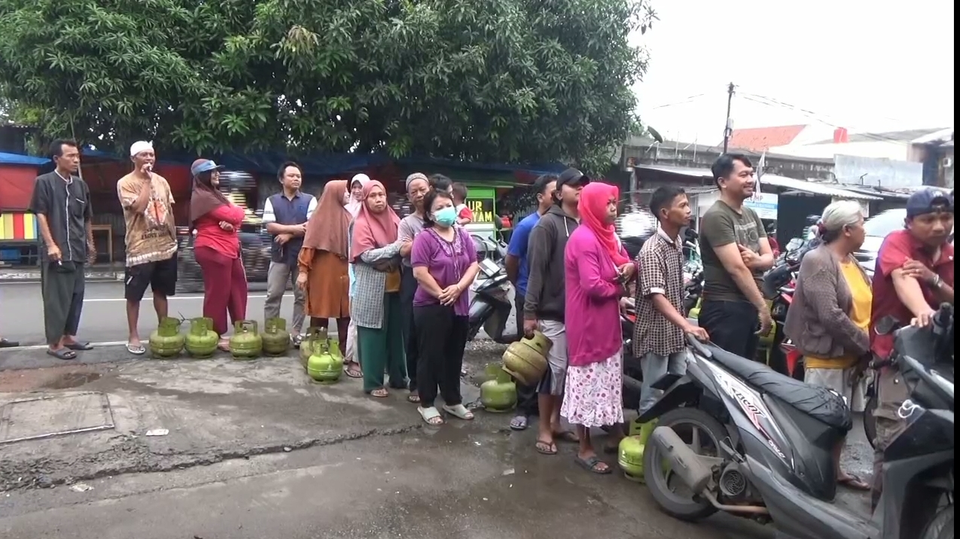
[544, 303]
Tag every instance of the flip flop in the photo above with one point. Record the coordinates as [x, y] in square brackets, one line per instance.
[459, 411]
[6, 343]
[592, 465]
[352, 372]
[413, 397]
[431, 416]
[519, 422]
[380, 393]
[567, 436]
[63, 353]
[853, 482]
[136, 349]
[79, 346]
[546, 448]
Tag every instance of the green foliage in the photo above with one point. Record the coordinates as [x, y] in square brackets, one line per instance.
[497, 80]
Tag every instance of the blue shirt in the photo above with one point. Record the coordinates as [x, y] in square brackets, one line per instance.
[518, 248]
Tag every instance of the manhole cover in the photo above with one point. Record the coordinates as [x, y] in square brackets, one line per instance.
[54, 415]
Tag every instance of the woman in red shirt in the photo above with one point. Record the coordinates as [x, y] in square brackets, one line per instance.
[217, 248]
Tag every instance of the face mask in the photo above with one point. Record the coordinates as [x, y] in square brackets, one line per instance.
[445, 217]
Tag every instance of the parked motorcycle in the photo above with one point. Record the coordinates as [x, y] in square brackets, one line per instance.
[751, 442]
[490, 305]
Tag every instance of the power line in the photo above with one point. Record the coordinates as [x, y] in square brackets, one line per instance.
[681, 102]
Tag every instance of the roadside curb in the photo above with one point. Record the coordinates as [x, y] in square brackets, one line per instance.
[34, 277]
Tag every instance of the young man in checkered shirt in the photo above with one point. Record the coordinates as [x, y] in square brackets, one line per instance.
[659, 336]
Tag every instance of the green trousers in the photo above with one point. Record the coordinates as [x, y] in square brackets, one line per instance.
[382, 349]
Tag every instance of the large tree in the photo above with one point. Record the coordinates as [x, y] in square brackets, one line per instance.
[491, 80]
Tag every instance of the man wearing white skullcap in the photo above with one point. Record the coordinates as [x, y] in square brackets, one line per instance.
[150, 240]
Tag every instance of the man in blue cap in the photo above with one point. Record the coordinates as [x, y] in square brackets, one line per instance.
[914, 275]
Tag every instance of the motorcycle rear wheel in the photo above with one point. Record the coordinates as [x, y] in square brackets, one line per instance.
[685, 421]
[942, 525]
[870, 420]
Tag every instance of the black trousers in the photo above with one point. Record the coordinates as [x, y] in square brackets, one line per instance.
[61, 288]
[526, 395]
[442, 337]
[732, 325]
[408, 286]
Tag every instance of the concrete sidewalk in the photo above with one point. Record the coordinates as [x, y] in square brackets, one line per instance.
[214, 410]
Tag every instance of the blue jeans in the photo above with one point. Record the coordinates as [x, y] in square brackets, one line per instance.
[654, 368]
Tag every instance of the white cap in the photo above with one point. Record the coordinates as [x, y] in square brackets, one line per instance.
[140, 146]
[362, 178]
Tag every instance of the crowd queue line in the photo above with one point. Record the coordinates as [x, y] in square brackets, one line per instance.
[397, 286]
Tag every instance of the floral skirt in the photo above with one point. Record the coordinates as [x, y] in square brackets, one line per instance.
[594, 393]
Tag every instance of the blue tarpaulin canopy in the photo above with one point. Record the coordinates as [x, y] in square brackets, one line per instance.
[18, 159]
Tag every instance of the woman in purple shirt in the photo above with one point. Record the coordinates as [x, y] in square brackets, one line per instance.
[444, 261]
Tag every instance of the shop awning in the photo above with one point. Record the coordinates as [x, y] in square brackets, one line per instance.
[813, 188]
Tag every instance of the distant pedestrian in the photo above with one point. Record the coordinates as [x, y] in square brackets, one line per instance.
[375, 253]
[150, 240]
[596, 270]
[417, 188]
[323, 272]
[285, 215]
[659, 337]
[735, 255]
[464, 215]
[354, 206]
[518, 270]
[62, 204]
[439, 182]
[217, 249]
[444, 260]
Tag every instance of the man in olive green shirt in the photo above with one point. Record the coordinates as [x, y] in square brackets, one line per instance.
[735, 254]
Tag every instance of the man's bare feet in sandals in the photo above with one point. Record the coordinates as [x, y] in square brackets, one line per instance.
[459, 411]
[380, 393]
[413, 397]
[593, 464]
[431, 416]
[352, 369]
[224, 345]
[546, 448]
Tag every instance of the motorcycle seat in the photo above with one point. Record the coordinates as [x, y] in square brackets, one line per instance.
[816, 402]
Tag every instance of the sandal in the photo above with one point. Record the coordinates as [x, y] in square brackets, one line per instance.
[431, 416]
[62, 353]
[459, 411]
[296, 339]
[224, 346]
[593, 465]
[136, 349]
[519, 422]
[853, 482]
[567, 436]
[546, 448]
[380, 393]
[413, 397]
[7, 343]
[79, 346]
[352, 369]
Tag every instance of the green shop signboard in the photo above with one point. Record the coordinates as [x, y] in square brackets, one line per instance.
[482, 202]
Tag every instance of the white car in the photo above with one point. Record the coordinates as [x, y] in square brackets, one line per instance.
[877, 228]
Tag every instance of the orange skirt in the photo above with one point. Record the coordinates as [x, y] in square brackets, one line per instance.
[328, 284]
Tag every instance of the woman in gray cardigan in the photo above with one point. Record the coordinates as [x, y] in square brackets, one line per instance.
[829, 319]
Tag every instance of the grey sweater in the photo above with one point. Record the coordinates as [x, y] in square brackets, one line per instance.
[546, 291]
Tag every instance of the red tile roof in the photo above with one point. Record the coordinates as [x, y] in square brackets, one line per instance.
[759, 139]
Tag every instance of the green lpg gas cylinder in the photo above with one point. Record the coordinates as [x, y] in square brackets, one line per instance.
[202, 340]
[323, 366]
[499, 392]
[630, 458]
[310, 339]
[275, 338]
[166, 341]
[245, 343]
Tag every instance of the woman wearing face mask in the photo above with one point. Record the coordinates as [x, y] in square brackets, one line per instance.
[444, 261]
[596, 271]
[375, 252]
[217, 248]
[354, 203]
[829, 318]
[323, 266]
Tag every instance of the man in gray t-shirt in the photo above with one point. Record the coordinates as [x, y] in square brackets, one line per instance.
[735, 253]
[410, 226]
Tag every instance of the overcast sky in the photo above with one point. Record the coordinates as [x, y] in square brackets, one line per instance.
[860, 64]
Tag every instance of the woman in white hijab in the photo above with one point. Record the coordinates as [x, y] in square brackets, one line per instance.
[355, 202]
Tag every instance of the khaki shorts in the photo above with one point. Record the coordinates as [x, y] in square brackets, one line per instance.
[838, 380]
[891, 392]
[556, 375]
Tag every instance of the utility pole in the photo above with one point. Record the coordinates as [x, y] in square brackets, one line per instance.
[728, 126]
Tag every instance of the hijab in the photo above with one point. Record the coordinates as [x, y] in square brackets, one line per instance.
[373, 230]
[327, 227]
[354, 205]
[593, 212]
[204, 197]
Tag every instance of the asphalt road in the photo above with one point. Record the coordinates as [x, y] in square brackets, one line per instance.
[104, 312]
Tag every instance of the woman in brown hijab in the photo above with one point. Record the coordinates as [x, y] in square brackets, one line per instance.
[323, 267]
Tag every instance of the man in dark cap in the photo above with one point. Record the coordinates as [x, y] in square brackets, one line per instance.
[914, 275]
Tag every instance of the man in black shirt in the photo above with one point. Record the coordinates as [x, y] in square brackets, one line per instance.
[61, 202]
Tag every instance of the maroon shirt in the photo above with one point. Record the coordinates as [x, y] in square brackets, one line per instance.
[897, 248]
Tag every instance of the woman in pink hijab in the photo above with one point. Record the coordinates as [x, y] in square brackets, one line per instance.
[597, 270]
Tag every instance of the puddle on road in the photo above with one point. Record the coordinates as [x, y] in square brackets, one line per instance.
[71, 380]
